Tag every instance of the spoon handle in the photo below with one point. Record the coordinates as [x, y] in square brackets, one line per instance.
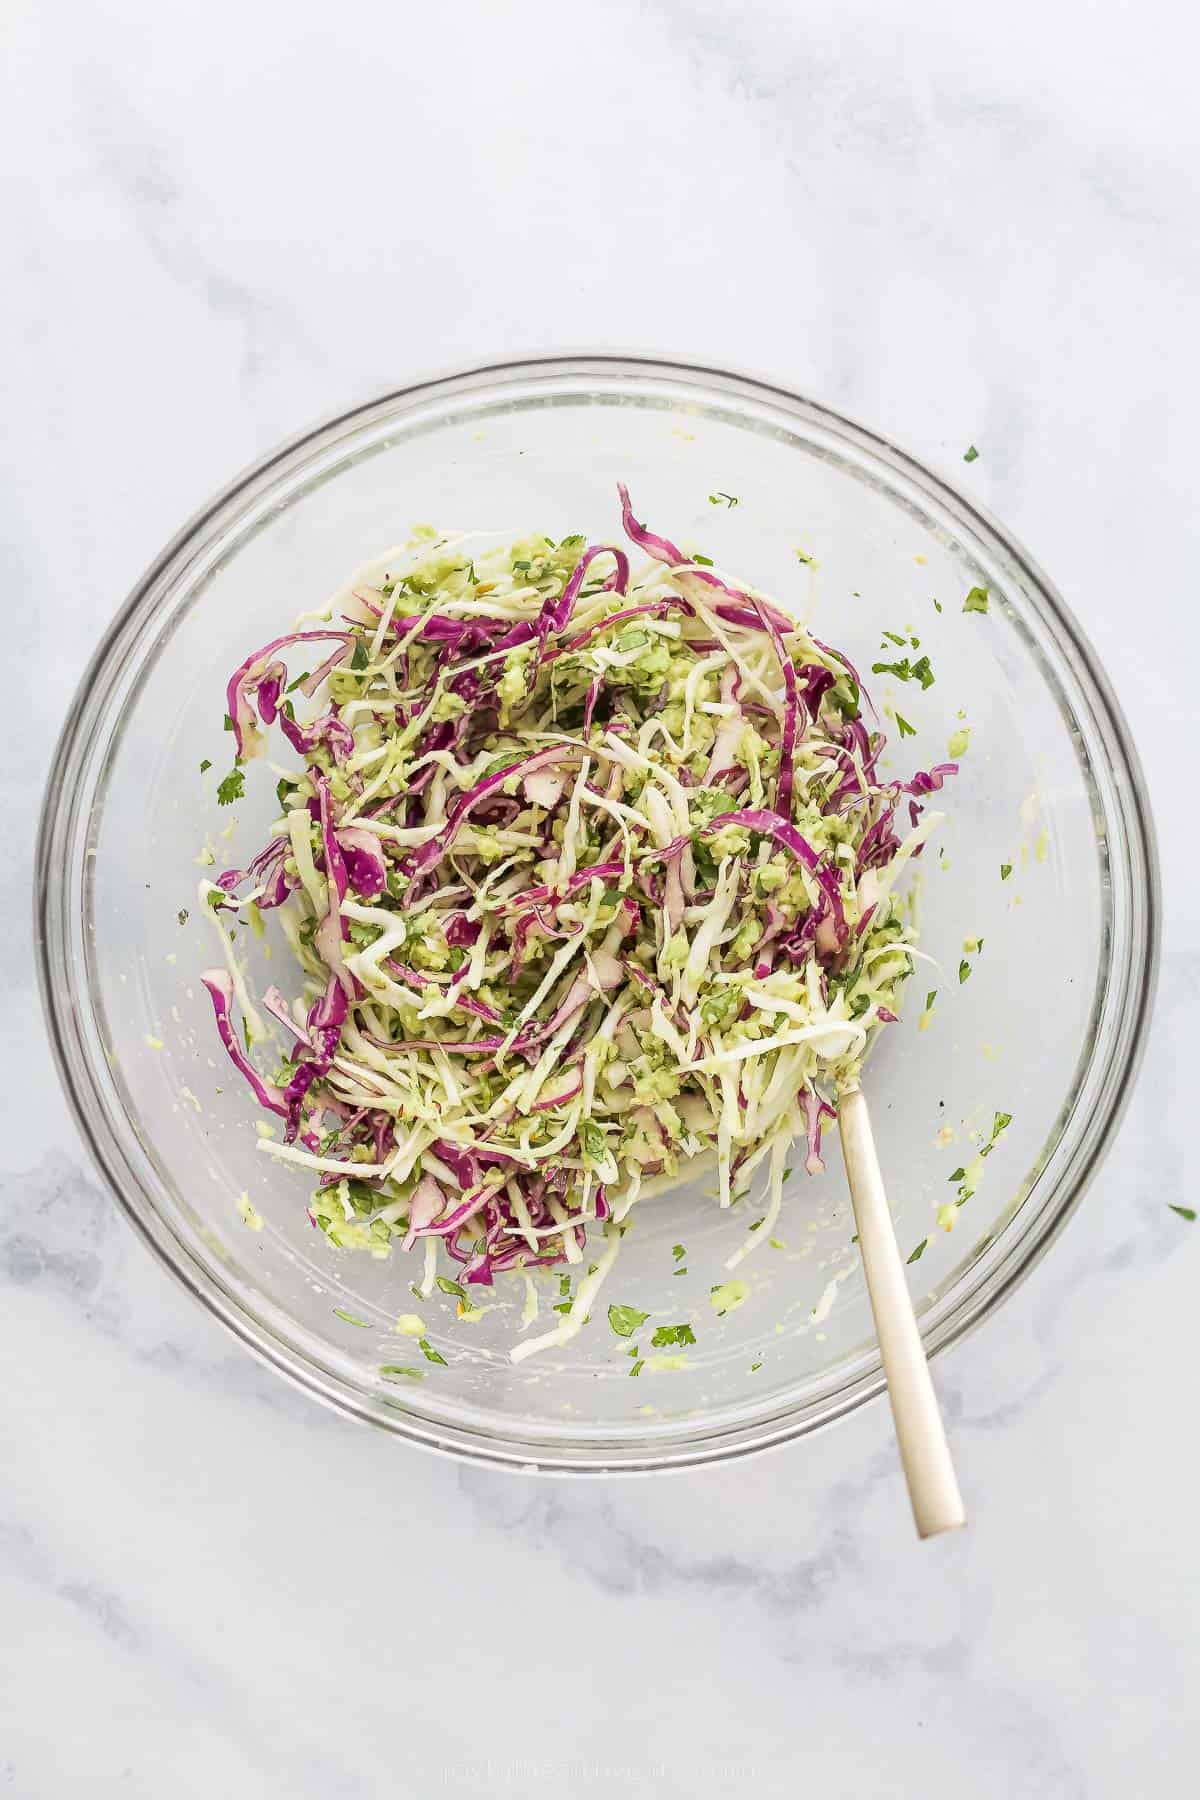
[932, 1485]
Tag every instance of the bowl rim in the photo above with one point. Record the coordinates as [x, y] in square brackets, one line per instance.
[52, 918]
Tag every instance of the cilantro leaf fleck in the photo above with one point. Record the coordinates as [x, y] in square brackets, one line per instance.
[1185, 1212]
[232, 788]
[976, 600]
[625, 1320]
[673, 1334]
[905, 670]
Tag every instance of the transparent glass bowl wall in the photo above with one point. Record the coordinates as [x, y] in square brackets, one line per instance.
[1047, 1028]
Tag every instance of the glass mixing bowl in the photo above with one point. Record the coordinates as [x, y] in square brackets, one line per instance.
[858, 539]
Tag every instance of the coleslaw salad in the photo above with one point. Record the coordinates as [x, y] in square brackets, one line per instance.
[590, 875]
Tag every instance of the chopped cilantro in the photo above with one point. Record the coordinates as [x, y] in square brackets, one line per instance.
[673, 1334]
[182, 915]
[937, 606]
[894, 637]
[1005, 871]
[705, 561]
[970, 454]
[904, 670]
[205, 766]
[228, 723]
[564, 1287]
[429, 1353]
[930, 997]
[678, 1252]
[721, 499]
[625, 1320]
[1000, 1123]
[976, 600]
[964, 971]
[919, 1252]
[360, 659]
[905, 729]
[232, 788]
[1185, 1212]
[637, 1368]
[452, 1287]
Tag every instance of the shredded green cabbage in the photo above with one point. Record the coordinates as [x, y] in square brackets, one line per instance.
[532, 999]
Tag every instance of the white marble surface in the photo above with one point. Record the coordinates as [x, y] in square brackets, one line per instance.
[961, 224]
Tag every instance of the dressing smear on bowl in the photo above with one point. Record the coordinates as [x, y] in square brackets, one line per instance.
[588, 874]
